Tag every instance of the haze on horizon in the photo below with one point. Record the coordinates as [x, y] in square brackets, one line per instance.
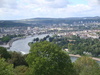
[22, 9]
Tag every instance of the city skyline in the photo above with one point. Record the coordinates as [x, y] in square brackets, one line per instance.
[22, 9]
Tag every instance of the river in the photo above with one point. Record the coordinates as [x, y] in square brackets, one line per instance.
[22, 45]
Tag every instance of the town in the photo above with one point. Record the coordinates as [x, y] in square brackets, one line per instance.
[82, 27]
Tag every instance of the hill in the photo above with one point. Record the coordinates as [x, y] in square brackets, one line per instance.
[70, 20]
[12, 24]
[49, 21]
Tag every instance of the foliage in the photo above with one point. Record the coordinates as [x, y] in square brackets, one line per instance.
[86, 66]
[87, 46]
[51, 39]
[98, 33]
[5, 68]
[7, 38]
[12, 24]
[4, 53]
[17, 59]
[21, 70]
[77, 45]
[36, 39]
[45, 38]
[46, 58]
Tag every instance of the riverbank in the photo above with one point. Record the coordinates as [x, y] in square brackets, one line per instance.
[9, 44]
[14, 39]
[22, 45]
[94, 58]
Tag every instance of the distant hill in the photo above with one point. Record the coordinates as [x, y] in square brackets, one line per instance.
[70, 20]
[48, 21]
[12, 24]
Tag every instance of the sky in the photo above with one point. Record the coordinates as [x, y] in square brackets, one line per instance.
[24, 9]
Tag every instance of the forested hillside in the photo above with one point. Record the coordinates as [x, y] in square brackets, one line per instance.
[12, 24]
[49, 21]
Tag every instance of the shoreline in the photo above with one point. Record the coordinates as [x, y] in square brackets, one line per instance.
[9, 44]
[14, 39]
[78, 56]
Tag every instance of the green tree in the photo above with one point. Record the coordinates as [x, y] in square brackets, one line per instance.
[17, 59]
[20, 70]
[36, 39]
[6, 39]
[4, 53]
[51, 39]
[5, 68]
[46, 58]
[87, 66]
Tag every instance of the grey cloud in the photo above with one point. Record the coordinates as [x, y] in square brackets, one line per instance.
[51, 3]
[59, 3]
[8, 4]
[99, 1]
[2, 3]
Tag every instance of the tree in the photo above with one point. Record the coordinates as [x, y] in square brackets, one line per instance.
[6, 39]
[36, 39]
[17, 59]
[46, 58]
[87, 66]
[5, 68]
[4, 53]
[51, 39]
[21, 70]
[47, 36]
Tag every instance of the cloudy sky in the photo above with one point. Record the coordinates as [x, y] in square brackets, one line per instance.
[22, 9]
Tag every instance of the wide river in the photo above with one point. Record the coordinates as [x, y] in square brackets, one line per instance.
[22, 45]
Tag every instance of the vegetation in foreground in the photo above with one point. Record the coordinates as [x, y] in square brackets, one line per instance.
[45, 58]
